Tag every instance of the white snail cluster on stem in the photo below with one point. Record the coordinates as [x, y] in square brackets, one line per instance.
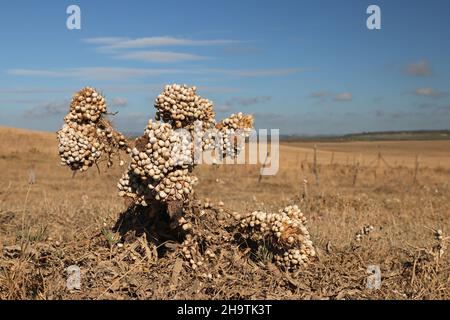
[284, 233]
[160, 166]
[87, 106]
[232, 132]
[163, 158]
[86, 135]
[191, 252]
[180, 106]
[78, 147]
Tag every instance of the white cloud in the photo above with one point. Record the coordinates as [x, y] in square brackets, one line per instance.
[49, 108]
[104, 40]
[223, 108]
[101, 73]
[444, 110]
[119, 102]
[428, 92]
[17, 101]
[245, 102]
[319, 94]
[34, 72]
[113, 73]
[159, 56]
[256, 73]
[128, 43]
[33, 90]
[418, 69]
[211, 89]
[344, 96]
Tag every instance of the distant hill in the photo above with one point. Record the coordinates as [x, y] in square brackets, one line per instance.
[376, 136]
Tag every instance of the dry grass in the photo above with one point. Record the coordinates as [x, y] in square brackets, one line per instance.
[61, 221]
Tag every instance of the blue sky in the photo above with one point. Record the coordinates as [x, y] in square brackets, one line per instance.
[306, 67]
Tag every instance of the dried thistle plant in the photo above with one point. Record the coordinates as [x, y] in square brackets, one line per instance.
[160, 171]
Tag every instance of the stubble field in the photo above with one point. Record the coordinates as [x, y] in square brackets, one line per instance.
[401, 189]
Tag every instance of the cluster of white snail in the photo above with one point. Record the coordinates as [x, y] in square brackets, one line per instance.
[86, 135]
[232, 132]
[163, 158]
[77, 146]
[284, 233]
[180, 106]
[87, 106]
[191, 253]
[160, 165]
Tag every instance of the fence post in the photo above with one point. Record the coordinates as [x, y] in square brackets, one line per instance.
[416, 169]
[355, 175]
[305, 188]
[315, 170]
[265, 162]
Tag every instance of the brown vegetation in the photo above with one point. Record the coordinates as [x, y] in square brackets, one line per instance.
[60, 220]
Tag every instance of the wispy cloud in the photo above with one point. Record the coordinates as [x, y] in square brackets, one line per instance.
[113, 73]
[223, 109]
[379, 113]
[256, 73]
[344, 96]
[102, 73]
[131, 88]
[33, 90]
[217, 89]
[119, 102]
[16, 101]
[403, 114]
[444, 110]
[418, 69]
[105, 40]
[323, 95]
[49, 108]
[433, 108]
[133, 123]
[236, 49]
[428, 92]
[159, 56]
[109, 43]
[244, 102]
[319, 94]
[117, 88]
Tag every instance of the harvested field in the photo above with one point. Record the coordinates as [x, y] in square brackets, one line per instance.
[50, 220]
